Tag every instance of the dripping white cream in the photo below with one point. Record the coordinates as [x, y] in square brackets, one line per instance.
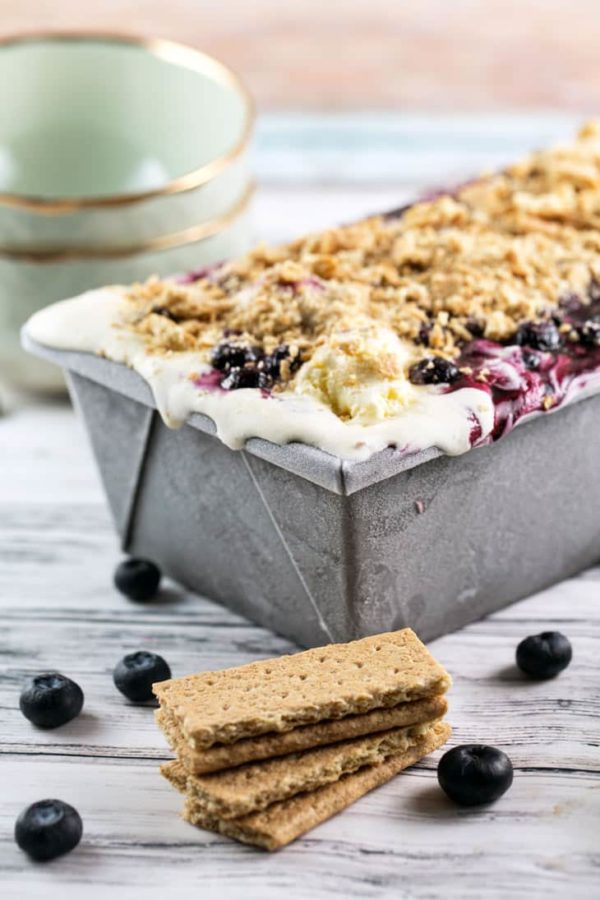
[324, 406]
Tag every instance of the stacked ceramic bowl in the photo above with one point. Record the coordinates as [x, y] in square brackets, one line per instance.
[119, 158]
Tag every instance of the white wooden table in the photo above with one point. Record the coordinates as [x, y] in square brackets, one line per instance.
[59, 610]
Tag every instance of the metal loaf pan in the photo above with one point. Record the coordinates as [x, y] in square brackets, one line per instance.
[320, 549]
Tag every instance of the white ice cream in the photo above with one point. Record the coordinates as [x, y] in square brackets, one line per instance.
[353, 385]
[340, 400]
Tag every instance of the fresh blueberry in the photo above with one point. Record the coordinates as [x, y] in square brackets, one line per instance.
[589, 333]
[434, 370]
[228, 355]
[48, 829]
[137, 579]
[247, 377]
[539, 335]
[135, 674]
[544, 655]
[474, 773]
[50, 700]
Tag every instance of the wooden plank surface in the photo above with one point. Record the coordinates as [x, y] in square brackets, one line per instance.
[353, 54]
[57, 552]
[59, 610]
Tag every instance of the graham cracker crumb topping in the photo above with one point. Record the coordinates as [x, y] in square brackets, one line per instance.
[477, 262]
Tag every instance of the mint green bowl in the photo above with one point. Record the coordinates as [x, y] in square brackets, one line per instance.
[119, 158]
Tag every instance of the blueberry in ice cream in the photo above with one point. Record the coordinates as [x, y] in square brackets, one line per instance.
[473, 774]
[50, 700]
[589, 333]
[539, 335]
[229, 355]
[434, 370]
[531, 359]
[245, 366]
[282, 357]
[47, 829]
[544, 655]
[138, 579]
[246, 377]
[135, 674]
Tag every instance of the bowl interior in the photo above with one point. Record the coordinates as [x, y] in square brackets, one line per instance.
[98, 116]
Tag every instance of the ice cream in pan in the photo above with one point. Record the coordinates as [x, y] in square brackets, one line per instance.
[440, 326]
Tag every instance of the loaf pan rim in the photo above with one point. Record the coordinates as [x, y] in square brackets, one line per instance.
[338, 475]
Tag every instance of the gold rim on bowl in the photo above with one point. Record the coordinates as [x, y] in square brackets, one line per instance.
[172, 52]
[191, 235]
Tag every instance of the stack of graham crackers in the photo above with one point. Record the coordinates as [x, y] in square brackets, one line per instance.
[267, 751]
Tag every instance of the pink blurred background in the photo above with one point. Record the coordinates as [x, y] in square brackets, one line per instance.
[435, 55]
